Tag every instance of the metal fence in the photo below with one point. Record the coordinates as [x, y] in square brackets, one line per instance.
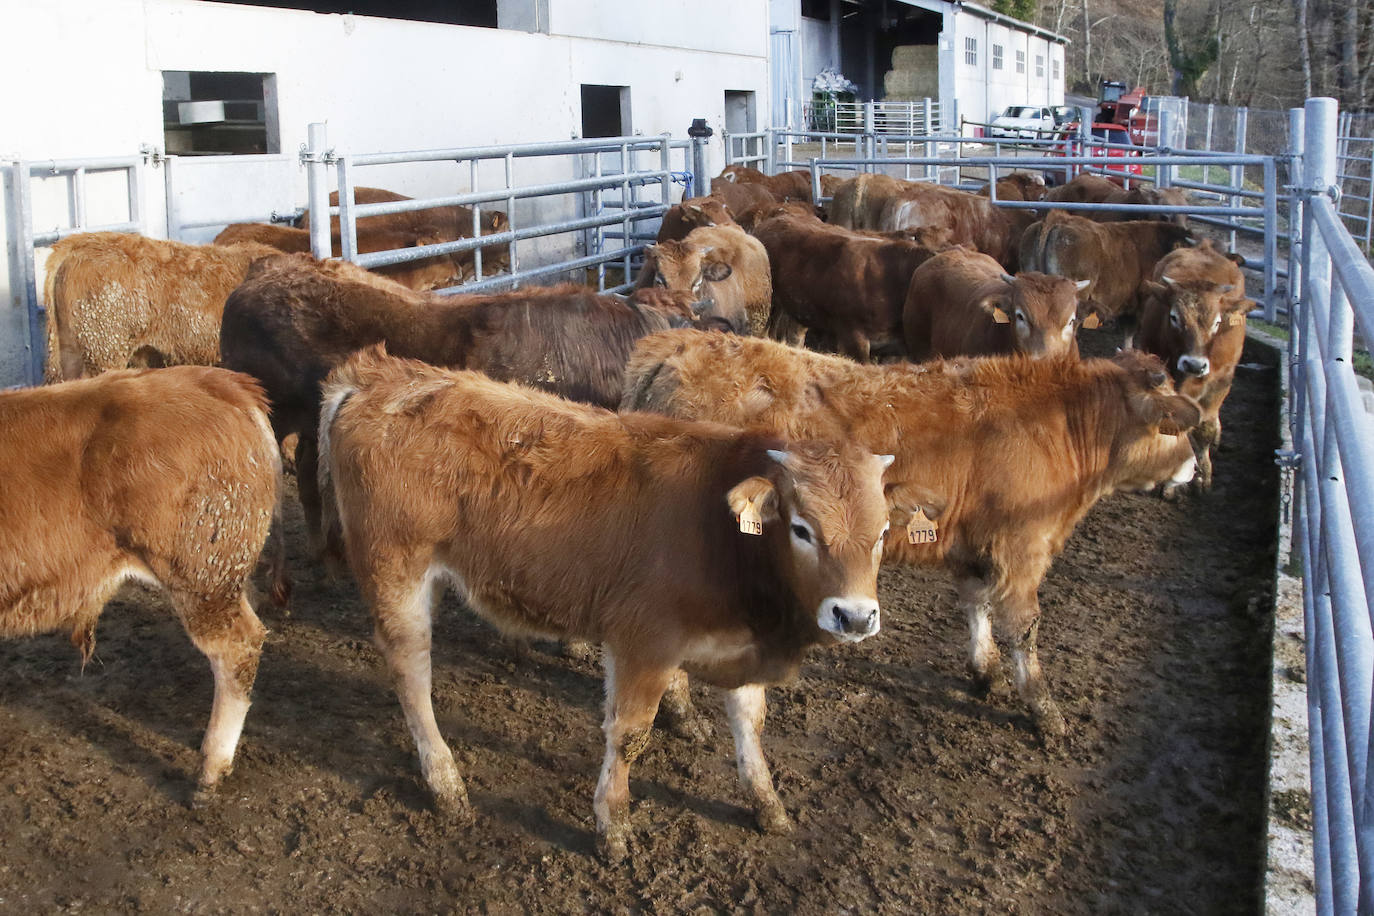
[882, 117]
[1355, 176]
[1332, 436]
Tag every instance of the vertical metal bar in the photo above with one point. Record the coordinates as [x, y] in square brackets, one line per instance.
[701, 184]
[1369, 201]
[348, 219]
[78, 180]
[1207, 138]
[1164, 174]
[318, 193]
[169, 190]
[1271, 238]
[473, 180]
[626, 208]
[599, 205]
[23, 276]
[510, 211]
[1238, 171]
[930, 167]
[770, 151]
[869, 127]
[1296, 122]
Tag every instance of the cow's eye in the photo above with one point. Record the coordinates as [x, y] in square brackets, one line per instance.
[801, 532]
[1173, 318]
[659, 281]
[1216, 323]
[1021, 317]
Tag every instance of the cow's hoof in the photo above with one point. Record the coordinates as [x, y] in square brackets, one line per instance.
[454, 807]
[693, 728]
[773, 819]
[612, 847]
[1173, 492]
[1201, 487]
[984, 685]
[204, 796]
[1050, 722]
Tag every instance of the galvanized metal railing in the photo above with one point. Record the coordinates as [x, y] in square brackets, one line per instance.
[23, 237]
[1332, 435]
[1355, 178]
[596, 198]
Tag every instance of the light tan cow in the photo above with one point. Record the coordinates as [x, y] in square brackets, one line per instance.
[723, 263]
[167, 477]
[674, 544]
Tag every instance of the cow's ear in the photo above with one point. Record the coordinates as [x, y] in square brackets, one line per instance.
[1172, 413]
[1091, 319]
[996, 306]
[754, 497]
[1157, 290]
[903, 499]
[692, 208]
[1235, 258]
[715, 271]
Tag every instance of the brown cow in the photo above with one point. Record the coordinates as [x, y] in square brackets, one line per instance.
[722, 263]
[1021, 448]
[167, 477]
[1017, 186]
[785, 186]
[1194, 320]
[444, 224]
[843, 284]
[1117, 258]
[693, 213]
[116, 300]
[293, 319]
[427, 273]
[1086, 188]
[961, 303]
[1172, 197]
[543, 514]
[738, 198]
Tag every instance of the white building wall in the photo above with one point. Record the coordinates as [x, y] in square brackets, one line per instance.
[381, 85]
[983, 92]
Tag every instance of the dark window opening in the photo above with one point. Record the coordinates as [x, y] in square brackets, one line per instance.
[210, 113]
[449, 12]
[605, 111]
[816, 9]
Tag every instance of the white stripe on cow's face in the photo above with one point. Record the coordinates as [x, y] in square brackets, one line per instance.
[878, 547]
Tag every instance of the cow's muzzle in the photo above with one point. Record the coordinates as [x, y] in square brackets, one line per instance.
[850, 619]
[1196, 366]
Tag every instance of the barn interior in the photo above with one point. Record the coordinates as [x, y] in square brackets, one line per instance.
[889, 49]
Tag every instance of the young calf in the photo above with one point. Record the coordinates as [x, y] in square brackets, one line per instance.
[1021, 449]
[676, 545]
[164, 476]
[962, 303]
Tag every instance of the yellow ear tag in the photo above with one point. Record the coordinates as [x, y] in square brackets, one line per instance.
[1091, 322]
[1000, 316]
[921, 530]
[750, 522]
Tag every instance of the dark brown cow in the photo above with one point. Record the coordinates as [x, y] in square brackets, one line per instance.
[1018, 186]
[167, 477]
[721, 263]
[293, 319]
[424, 274]
[676, 545]
[693, 213]
[1021, 449]
[1172, 197]
[1116, 258]
[1194, 320]
[738, 198]
[961, 303]
[785, 186]
[843, 284]
[1083, 189]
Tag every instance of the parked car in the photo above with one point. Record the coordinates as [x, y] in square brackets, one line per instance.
[1021, 121]
[1108, 133]
[1063, 114]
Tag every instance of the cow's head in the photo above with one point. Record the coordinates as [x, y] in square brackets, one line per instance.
[705, 211]
[1183, 320]
[824, 519]
[1150, 444]
[682, 266]
[1041, 312]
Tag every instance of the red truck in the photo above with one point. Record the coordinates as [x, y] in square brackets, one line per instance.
[1117, 106]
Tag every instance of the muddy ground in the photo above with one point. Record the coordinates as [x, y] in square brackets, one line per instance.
[909, 794]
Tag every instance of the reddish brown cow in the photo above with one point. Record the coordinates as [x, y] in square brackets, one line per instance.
[1116, 258]
[427, 273]
[293, 319]
[721, 263]
[1083, 189]
[1194, 320]
[1018, 186]
[784, 186]
[167, 477]
[1173, 197]
[693, 213]
[1021, 449]
[738, 198]
[542, 513]
[116, 300]
[961, 303]
[843, 284]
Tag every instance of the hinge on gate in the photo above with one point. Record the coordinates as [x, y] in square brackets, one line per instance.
[1287, 458]
[1288, 461]
[151, 155]
[327, 157]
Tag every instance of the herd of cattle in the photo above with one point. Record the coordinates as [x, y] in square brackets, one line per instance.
[646, 472]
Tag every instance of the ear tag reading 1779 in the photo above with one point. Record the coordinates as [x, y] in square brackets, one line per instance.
[750, 522]
[1000, 317]
[1092, 321]
[921, 530]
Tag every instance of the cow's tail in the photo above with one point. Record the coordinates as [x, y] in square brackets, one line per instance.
[338, 388]
[277, 576]
[52, 288]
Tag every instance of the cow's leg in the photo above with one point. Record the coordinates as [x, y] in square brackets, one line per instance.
[678, 712]
[321, 528]
[1203, 439]
[401, 612]
[985, 662]
[633, 690]
[1019, 622]
[746, 708]
[231, 639]
[854, 344]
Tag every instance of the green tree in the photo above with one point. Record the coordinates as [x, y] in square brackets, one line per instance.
[1024, 10]
[1189, 64]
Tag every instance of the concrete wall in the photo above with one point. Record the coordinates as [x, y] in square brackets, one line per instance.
[381, 85]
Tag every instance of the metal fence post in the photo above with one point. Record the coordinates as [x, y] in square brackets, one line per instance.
[1164, 174]
[929, 130]
[701, 184]
[1207, 137]
[1296, 121]
[348, 221]
[318, 191]
[770, 151]
[1238, 171]
[169, 169]
[1271, 237]
[870, 127]
[23, 276]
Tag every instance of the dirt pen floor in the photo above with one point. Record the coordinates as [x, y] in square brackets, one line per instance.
[909, 794]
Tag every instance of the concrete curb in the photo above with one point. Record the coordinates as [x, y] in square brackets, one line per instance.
[1289, 886]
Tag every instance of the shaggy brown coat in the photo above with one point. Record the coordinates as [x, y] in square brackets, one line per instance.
[1083, 189]
[167, 477]
[1021, 449]
[427, 273]
[1018, 186]
[722, 263]
[116, 300]
[693, 213]
[784, 186]
[564, 520]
